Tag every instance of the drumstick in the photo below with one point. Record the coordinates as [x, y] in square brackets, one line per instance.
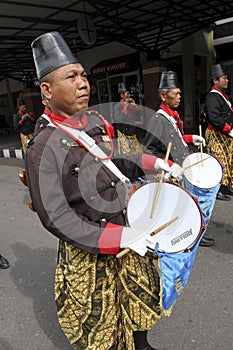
[160, 228]
[199, 161]
[160, 181]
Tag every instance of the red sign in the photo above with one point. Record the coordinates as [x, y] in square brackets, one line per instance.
[109, 68]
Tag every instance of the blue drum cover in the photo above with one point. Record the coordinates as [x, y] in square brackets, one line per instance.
[176, 268]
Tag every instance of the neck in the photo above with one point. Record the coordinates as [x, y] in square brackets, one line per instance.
[77, 121]
[218, 88]
[165, 106]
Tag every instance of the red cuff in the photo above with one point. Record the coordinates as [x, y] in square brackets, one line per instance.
[170, 162]
[210, 127]
[21, 122]
[227, 128]
[109, 241]
[148, 162]
[188, 139]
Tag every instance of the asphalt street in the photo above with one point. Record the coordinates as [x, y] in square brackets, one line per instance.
[202, 318]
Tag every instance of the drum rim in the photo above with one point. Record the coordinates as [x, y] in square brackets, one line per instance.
[197, 205]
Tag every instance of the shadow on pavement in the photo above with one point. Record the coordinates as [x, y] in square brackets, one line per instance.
[223, 235]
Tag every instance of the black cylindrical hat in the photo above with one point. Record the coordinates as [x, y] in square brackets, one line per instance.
[20, 102]
[51, 52]
[168, 80]
[121, 88]
[217, 71]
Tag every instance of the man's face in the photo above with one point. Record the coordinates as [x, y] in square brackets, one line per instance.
[221, 83]
[171, 98]
[68, 90]
[126, 95]
[22, 109]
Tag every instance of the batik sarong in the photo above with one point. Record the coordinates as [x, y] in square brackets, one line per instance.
[220, 146]
[128, 144]
[101, 300]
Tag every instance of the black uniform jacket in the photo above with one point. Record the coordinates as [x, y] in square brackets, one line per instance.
[160, 132]
[218, 111]
[77, 198]
[27, 126]
[124, 118]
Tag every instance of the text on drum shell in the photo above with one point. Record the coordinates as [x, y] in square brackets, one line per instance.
[181, 237]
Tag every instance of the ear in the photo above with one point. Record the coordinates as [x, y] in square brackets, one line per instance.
[163, 96]
[46, 90]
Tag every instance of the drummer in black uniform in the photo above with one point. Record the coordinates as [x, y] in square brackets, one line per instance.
[166, 126]
[102, 302]
[219, 134]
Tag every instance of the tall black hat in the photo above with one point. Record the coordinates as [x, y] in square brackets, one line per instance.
[20, 102]
[168, 80]
[217, 71]
[51, 52]
[121, 88]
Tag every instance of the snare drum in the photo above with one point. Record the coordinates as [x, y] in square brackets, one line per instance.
[202, 181]
[173, 202]
[202, 170]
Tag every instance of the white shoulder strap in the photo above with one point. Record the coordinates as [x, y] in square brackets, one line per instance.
[227, 102]
[172, 121]
[90, 144]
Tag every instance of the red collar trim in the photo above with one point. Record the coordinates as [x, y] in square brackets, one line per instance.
[221, 92]
[175, 115]
[170, 111]
[68, 121]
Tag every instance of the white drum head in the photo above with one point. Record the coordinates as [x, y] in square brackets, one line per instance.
[173, 202]
[205, 174]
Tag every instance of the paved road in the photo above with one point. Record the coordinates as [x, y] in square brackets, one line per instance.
[202, 318]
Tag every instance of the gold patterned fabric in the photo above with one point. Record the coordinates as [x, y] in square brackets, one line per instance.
[221, 146]
[128, 144]
[101, 300]
[24, 140]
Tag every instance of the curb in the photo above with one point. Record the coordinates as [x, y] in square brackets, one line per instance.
[11, 153]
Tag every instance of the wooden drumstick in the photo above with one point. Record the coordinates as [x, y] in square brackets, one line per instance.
[199, 161]
[160, 228]
[160, 181]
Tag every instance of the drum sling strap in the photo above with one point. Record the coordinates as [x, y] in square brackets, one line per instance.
[220, 94]
[172, 121]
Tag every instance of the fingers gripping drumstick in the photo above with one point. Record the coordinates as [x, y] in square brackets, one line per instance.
[160, 182]
[160, 228]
